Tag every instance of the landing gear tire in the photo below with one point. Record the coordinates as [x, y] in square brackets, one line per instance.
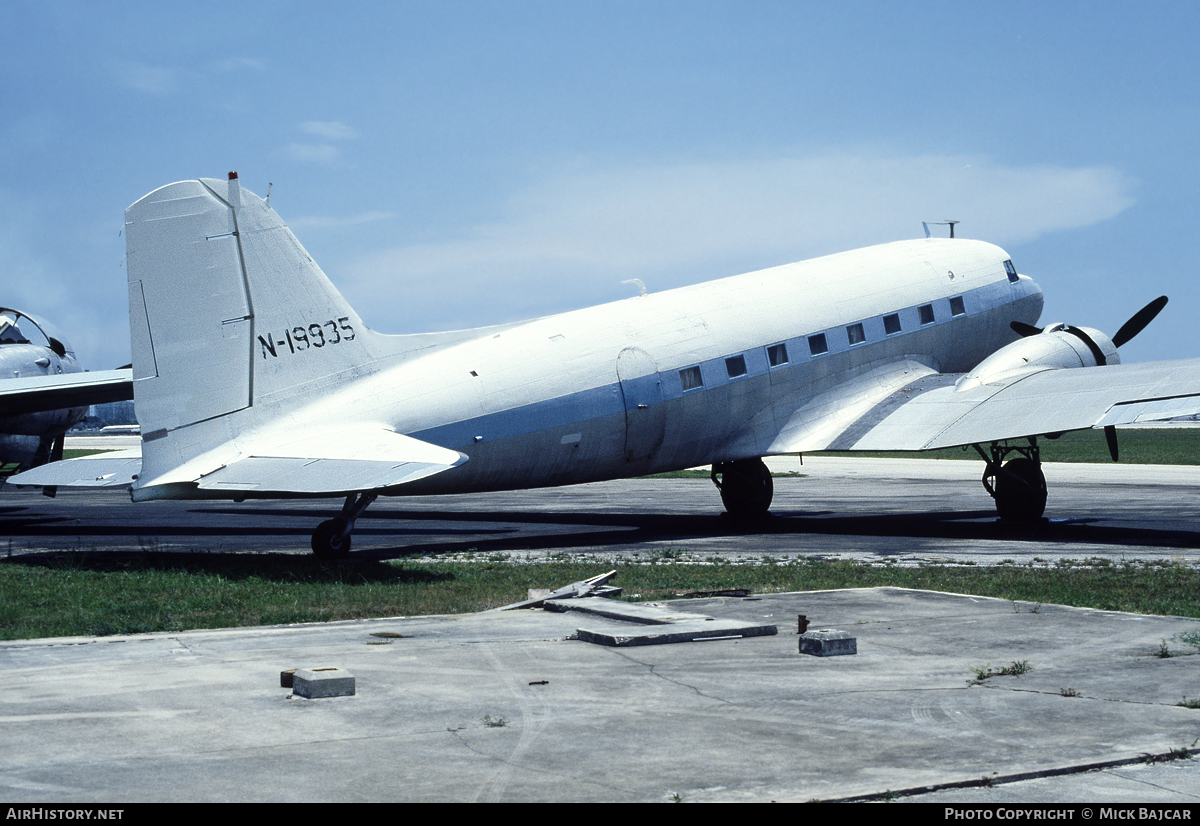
[1021, 491]
[331, 540]
[746, 487]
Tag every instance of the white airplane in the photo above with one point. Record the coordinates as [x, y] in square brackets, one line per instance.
[45, 391]
[253, 377]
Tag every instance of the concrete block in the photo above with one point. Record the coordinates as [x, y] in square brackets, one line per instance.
[314, 683]
[827, 643]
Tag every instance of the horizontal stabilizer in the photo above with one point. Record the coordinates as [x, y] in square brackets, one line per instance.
[362, 458]
[100, 470]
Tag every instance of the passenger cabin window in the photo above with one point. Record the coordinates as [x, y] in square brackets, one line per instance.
[855, 333]
[735, 366]
[925, 311]
[817, 345]
[1011, 270]
[777, 355]
[690, 378]
[891, 323]
[957, 307]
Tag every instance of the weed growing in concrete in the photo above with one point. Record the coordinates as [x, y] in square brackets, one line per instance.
[1172, 754]
[1068, 692]
[1015, 669]
[1191, 638]
[494, 722]
[1163, 652]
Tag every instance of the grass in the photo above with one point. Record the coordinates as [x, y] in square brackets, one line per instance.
[97, 594]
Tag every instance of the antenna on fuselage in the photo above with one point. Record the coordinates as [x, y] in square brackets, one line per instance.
[941, 224]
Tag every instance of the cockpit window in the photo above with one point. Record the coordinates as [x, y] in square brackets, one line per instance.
[1011, 270]
[10, 333]
[18, 328]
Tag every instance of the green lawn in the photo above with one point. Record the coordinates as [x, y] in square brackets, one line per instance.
[102, 593]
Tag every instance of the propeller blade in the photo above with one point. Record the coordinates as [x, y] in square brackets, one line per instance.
[1139, 320]
[1110, 435]
[1024, 330]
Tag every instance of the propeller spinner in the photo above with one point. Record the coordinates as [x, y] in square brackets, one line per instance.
[1136, 323]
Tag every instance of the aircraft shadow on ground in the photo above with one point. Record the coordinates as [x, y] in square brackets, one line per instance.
[592, 531]
[393, 533]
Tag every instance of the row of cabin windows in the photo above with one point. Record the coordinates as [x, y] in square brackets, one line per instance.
[691, 378]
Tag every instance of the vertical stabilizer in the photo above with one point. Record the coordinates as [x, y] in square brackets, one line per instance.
[185, 284]
[229, 317]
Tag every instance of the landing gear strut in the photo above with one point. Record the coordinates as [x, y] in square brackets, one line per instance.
[746, 487]
[331, 539]
[1018, 485]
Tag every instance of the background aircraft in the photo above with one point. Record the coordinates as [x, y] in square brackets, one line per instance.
[254, 378]
[43, 390]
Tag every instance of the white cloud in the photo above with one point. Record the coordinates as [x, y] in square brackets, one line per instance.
[330, 130]
[569, 239]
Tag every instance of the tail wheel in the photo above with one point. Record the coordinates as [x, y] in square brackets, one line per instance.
[331, 540]
[1021, 491]
[746, 487]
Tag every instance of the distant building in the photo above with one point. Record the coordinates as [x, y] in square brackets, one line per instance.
[107, 415]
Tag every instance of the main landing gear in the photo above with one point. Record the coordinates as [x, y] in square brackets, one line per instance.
[331, 539]
[1017, 484]
[746, 487]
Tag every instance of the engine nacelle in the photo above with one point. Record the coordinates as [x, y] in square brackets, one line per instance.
[1056, 347]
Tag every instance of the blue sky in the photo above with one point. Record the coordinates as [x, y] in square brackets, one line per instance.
[455, 164]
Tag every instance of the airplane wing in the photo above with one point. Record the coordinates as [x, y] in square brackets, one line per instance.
[358, 458]
[38, 393]
[933, 410]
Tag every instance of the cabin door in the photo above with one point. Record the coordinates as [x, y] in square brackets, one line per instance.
[645, 415]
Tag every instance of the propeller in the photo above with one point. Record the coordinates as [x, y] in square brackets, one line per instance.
[1136, 323]
[1139, 320]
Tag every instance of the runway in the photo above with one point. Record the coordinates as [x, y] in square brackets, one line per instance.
[908, 511]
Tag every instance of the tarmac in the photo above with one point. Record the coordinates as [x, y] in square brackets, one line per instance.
[512, 706]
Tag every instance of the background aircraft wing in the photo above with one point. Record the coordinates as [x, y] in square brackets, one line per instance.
[932, 411]
[57, 392]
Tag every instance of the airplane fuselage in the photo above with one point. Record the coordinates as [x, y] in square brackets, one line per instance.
[697, 375]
